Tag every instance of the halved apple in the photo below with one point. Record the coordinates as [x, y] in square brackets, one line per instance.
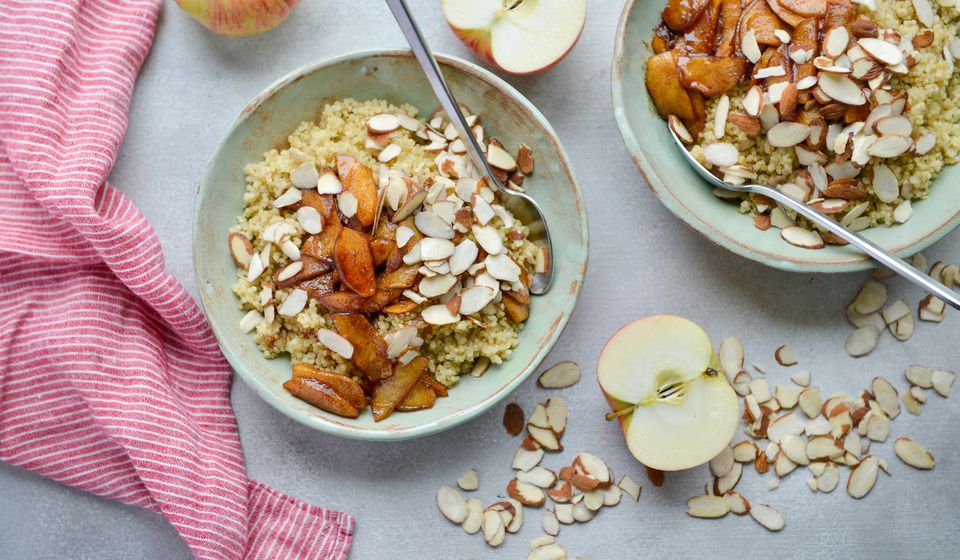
[518, 36]
[662, 377]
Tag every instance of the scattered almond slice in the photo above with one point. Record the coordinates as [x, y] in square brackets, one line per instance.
[538, 476]
[451, 504]
[707, 507]
[469, 481]
[871, 297]
[526, 493]
[862, 341]
[526, 459]
[801, 378]
[731, 357]
[630, 487]
[913, 454]
[549, 523]
[941, 381]
[563, 374]
[768, 517]
[801, 237]
[721, 154]
[474, 518]
[557, 415]
[863, 477]
[785, 356]
[886, 396]
[721, 111]
[494, 531]
[679, 129]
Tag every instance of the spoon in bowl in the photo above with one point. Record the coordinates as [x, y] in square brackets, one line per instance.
[523, 207]
[869, 247]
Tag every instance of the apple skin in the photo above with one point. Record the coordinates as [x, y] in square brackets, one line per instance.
[480, 42]
[238, 18]
[617, 404]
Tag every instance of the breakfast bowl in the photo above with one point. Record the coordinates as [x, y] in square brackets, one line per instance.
[651, 146]
[263, 129]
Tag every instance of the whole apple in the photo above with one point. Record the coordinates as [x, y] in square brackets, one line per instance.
[238, 17]
[518, 36]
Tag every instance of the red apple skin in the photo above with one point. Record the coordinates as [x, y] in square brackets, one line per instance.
[469, 38]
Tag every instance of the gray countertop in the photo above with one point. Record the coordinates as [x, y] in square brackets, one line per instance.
[643, 261]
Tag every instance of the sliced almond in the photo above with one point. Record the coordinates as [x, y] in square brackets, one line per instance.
[913, 454]
[741, 383]
[801, 378]
[749, 46]
[871, 297]
[469, 480]
[768, 517]
[562, 375]
[785, 356]
[835, 41]
[525, 459]
[886, 396]
[499, 158]
[829, 479]
[753, 101]
[925, 143]
[630, 487]
[707, 507]
[594, 467]
[474, 518]
[549, 523]
[382, 123]
[787, 134]
[557, 415]
[903, 329]
[538, 476]
[728, 481]
[731, 357]
[494, 530]
[745, 452]
[890, 146]
[721, 111]
[451, 504]
[862, 341]
[721, 154]
[878, 427]
[881, 50]
[241, 250]
[526, 493]
[942, 380]
[863, 477]
[802, 237]
[723, 462]
[677, 126]
[545, 437]
[841, 88]
[787, 396]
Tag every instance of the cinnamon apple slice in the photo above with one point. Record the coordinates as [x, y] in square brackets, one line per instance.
[350, 390]
[355, 262]
[420, 397]
[357, 179]
[321, 395]
[369, 348]
[388, 394]
[662, 377]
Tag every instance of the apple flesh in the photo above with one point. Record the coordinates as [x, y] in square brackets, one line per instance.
[662, 377]
[518, 36]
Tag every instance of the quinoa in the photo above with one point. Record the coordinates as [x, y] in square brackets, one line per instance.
[451, 350]
[933, 90]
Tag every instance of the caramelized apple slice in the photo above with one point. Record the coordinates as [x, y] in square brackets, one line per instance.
[369, 348]
[321, 285]
[790, 18]
[806, 8]
[679, 15]
[702, 36]
[730, 11]
[760, 18]
[384, 242]
[429, 380]
[322, 245]
[710, 75]
[805, 37]
[355, 262]
[321, 396]
[516, 311]
[665, 88]
[358, 179]
[662, 39]
[323, 203]
[350, 390]
[312, 268]
[420, 397]
[403, 277]
[699, 121]
[350, 302]
[400, 307]
[839, 13]
[388, 394]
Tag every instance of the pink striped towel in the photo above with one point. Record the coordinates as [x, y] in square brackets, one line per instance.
[110, 378]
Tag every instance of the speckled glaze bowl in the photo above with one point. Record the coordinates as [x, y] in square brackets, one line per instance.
[690, 198]
[394, 75]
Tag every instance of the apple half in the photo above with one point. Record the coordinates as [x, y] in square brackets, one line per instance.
[662, 378]
[518, 36]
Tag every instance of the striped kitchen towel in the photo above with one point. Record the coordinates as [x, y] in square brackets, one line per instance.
[110, 378]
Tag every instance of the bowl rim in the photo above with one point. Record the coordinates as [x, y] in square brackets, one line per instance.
[854, 262]
[344, 429]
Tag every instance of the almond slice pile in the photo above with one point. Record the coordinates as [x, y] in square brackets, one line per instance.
[804, 429]
[575, 493]
[871, 314]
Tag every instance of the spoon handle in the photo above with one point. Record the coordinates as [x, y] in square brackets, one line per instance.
[879, 254]
[401, 12]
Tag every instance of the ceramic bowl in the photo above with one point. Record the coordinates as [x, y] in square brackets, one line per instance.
[679, 188]
[266, 122]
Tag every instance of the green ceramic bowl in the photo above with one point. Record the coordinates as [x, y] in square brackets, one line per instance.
[688, 196]
[266, 122]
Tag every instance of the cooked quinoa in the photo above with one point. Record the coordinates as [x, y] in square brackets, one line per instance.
[933, 89]
[341, 130]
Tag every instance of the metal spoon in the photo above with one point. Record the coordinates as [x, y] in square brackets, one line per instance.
[869, 247]
[522, 206]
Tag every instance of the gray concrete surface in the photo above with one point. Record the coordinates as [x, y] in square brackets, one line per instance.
[642, 261]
